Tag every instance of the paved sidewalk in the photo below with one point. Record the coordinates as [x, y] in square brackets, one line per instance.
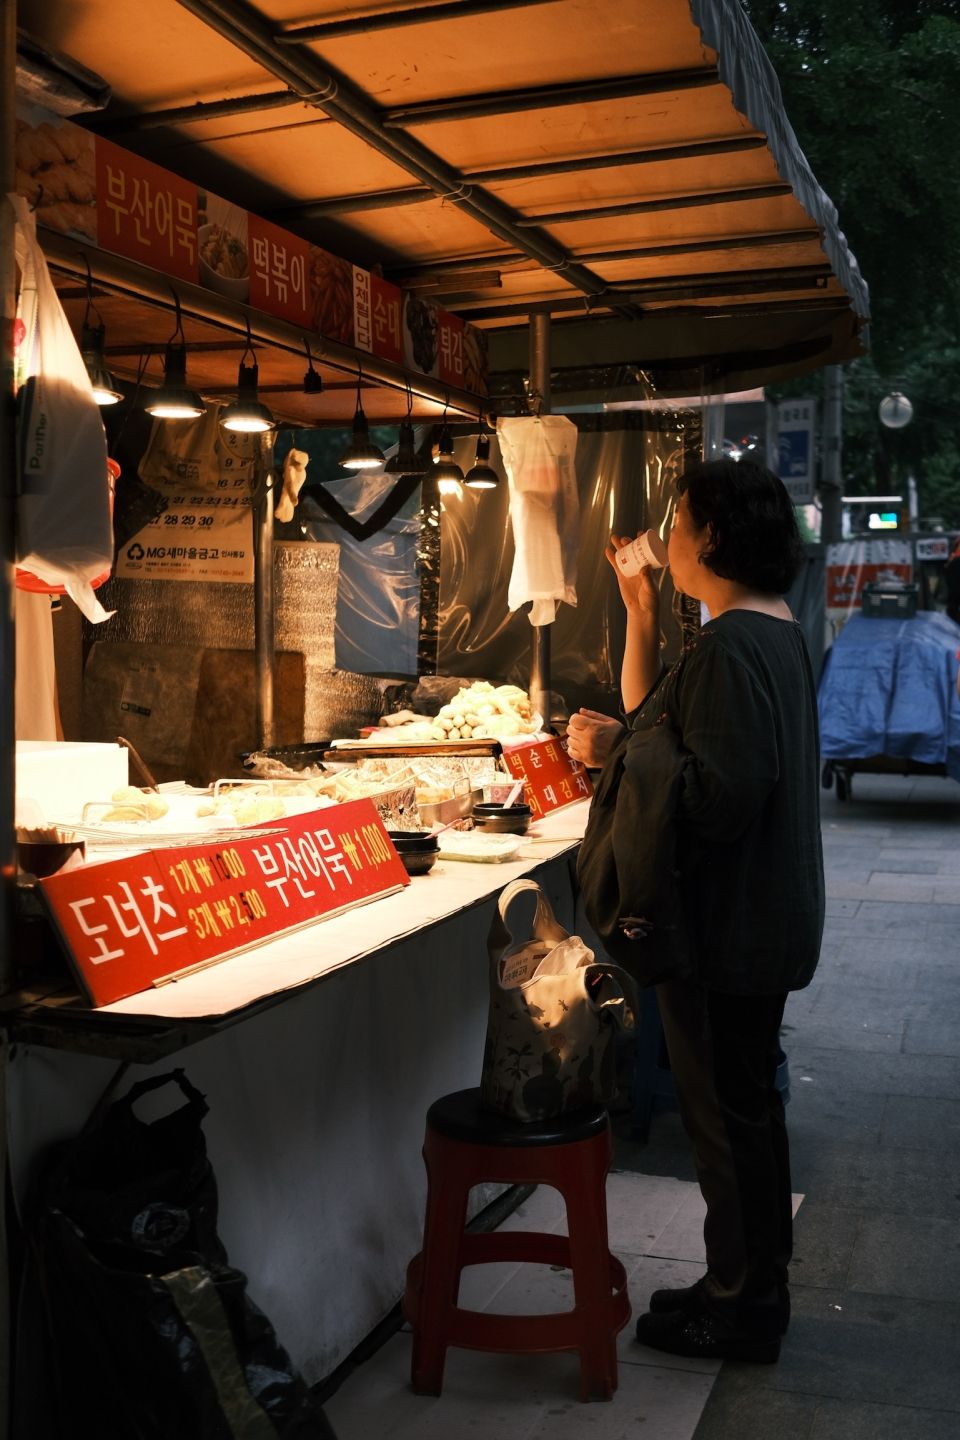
[874, 1052]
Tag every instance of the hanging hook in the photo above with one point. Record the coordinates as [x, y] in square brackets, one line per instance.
[178, 328]
[312, 382]
[248, 349]
[90, 301]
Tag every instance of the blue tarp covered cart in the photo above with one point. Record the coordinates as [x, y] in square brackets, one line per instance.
[888, 699]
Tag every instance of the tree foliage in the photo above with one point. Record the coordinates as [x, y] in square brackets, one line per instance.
[871, 89]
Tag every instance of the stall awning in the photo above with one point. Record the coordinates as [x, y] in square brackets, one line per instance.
[624, 165]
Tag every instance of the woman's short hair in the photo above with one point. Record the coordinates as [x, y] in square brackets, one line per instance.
[751, 522]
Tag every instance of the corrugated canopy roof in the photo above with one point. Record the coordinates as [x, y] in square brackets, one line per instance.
[624, 164]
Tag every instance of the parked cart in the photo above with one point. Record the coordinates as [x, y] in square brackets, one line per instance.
[888, 699]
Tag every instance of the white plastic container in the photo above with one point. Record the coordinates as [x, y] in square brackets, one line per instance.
[61, 776]
[647, 550]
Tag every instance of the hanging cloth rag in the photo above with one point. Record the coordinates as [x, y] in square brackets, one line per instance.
[538, 456]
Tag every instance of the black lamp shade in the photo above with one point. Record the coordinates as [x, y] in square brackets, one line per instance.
[361, 453]
[175, 400]
[246, 414]
[404, 461]
[104, 387]
[481, 475]
[446, 468]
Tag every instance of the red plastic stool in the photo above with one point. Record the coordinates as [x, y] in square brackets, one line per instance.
[465, 1145]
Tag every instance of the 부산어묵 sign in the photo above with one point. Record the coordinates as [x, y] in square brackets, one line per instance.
[133, 923]
[87, 186]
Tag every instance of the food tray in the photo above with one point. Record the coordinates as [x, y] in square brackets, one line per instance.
[480, 848]
[144, 835]
[410, 749]
[181, 825]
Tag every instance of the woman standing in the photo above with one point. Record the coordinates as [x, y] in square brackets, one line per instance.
[741, 703]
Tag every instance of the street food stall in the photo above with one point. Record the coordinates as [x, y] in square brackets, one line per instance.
[443, 216]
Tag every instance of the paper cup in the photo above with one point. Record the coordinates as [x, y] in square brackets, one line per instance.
[647, 550]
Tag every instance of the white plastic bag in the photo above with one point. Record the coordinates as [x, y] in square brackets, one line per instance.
[538, 456]
[65, 535]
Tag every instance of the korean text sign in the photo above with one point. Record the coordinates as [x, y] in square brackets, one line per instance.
[129, 924]
[551, 777]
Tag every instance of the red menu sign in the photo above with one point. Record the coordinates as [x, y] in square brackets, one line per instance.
[552, 778]
[279, 272]
[145, 212]
[132, 923]
[450, 348]
[386, 319]
[85, 185]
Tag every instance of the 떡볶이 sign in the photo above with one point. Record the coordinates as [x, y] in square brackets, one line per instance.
[86, 186]
[551, 777]
[133, 923]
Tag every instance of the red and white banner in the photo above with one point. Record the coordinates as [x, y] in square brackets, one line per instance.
[133, 923]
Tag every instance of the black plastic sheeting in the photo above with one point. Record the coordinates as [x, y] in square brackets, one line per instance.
[627, 465]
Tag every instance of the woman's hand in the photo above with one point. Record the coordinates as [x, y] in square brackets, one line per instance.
[640, 593]
[591, 736]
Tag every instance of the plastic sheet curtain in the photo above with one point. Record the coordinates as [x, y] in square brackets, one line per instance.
[378, 594]
[627, 464]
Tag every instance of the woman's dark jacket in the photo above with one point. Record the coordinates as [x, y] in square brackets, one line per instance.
[717, 823]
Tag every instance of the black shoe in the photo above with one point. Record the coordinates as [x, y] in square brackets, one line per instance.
[687, 1298]
[701, 1337]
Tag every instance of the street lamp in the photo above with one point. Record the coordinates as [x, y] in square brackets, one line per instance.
[895, 411]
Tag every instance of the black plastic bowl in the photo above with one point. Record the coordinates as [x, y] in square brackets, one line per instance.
[418, 849]
[502, 819]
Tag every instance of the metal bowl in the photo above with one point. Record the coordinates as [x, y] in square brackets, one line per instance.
[502, 819]
[418, 849]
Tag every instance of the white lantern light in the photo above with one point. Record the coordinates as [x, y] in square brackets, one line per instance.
[895, 411]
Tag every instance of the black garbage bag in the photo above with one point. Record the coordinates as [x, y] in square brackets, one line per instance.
[151, 1333]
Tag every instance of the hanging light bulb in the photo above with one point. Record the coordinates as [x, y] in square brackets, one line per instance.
[404, 460]
[175, 400]
[446, 467]
[361, 453]
[247, 414]
[481, 475]
[312, 380]
[102, 383]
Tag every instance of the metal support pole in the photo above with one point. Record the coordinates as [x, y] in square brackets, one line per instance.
[831, 469]
[8, 649]
[8, 495]
[540, 402]
[263, 608]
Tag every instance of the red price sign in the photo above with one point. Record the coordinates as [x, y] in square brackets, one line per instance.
[279, 272]
[132, 923]
[144, 212]
[552, 779]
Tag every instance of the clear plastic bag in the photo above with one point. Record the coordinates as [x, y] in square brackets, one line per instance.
[538, 455]
[65, 533]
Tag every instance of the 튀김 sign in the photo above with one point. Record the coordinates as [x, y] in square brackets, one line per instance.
[552, 778]
[134, 923]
